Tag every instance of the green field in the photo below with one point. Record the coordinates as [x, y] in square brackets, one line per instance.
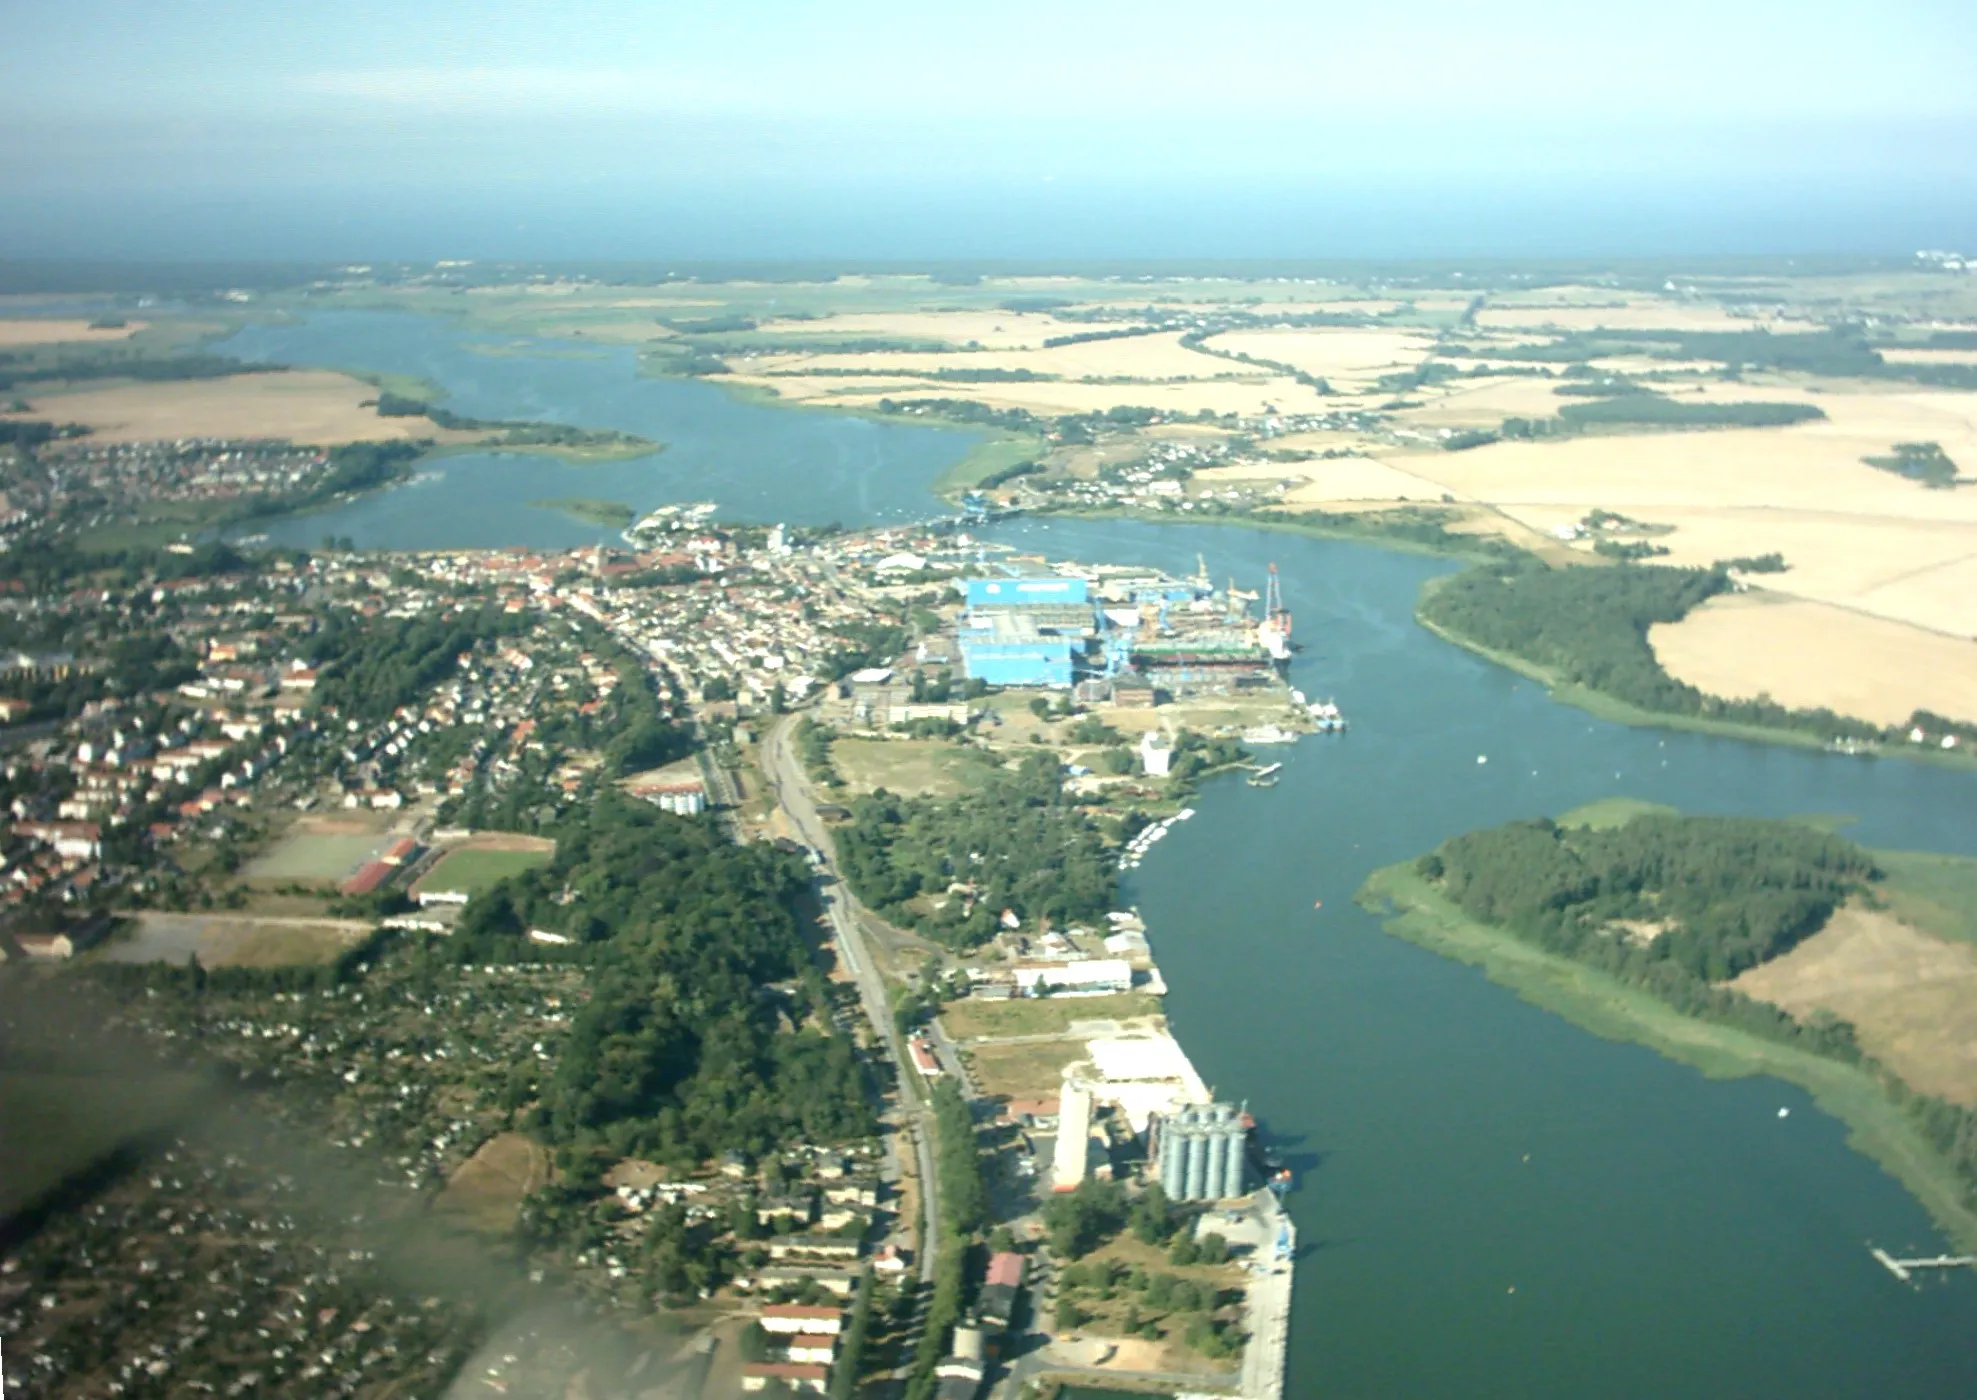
[475, 870]
[1041, 1015]
[910, 766]
[1936, 893]
[1591, 1000]
[590, 510]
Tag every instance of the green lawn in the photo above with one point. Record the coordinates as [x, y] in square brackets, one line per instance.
[910, 766]
[475, 870]
[1936, 893]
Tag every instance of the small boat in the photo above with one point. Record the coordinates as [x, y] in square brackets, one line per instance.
[1258, 780]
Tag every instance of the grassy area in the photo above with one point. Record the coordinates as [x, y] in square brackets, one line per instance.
[1614, 1011]
[989, 456]
[474, 870]
[590, 510]
[1041, 1015]
[1032, 1070]
[1935, 893]
[1610, 812]
[910, 766]
[486, 1193]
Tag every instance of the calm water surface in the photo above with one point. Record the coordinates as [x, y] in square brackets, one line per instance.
[1668, 1235]
[1494, 1203]
[760, 464]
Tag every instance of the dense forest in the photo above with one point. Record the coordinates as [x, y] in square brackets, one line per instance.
[1014, 844]
[1589, 627]
[1712, 896]
[683, 1049]
[1677, 906]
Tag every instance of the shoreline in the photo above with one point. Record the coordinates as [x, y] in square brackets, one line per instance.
[1592, 1001]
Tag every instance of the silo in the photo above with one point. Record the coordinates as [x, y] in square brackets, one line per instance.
[1218, 1159]
[1173, 1157]
[1197, 1163]
[1232, 1180]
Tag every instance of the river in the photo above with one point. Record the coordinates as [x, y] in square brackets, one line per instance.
[760, 464]
[1494, 1203]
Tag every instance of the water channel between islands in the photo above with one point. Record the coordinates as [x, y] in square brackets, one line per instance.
[1493, 1202]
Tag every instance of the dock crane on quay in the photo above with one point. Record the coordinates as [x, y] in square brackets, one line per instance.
[1273, 634]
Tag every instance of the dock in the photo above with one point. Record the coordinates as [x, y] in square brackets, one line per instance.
[1268, 1300]
[1905, 1269]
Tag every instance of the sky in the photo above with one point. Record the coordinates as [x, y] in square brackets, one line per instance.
[1238, 128]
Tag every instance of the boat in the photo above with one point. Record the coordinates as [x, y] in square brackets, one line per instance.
[1258, 780]
[1267, 769]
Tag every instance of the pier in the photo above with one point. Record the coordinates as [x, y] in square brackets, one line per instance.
[1904, 1269]
[1268, 1299]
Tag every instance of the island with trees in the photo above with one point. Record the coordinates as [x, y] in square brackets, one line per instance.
[1639, 923]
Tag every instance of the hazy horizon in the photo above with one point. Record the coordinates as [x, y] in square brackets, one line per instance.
[879, 129]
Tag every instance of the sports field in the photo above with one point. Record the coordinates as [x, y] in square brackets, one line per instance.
[476, 868]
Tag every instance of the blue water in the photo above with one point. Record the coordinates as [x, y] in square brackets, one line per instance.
[1668, 1235]
[759, 464]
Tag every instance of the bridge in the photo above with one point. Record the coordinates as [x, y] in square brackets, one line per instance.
[1903, 1269]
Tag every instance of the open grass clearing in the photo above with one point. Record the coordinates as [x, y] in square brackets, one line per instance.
[486, 1192]
[911, 767]
[234, 940]
[1932, 892]
[1027, 1070]
[972, 1018]
[1610, 812]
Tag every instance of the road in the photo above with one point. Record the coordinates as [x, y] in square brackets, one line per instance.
[792, 789]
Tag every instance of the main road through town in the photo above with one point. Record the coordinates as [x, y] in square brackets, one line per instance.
[792, 789]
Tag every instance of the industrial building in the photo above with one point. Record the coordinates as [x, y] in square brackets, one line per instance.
[1073, 1150]
[1202, 1153]
[1082, 977]
[1025, 631]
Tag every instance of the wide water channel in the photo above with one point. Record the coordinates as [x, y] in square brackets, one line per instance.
[1494, 1203]
[760, 464]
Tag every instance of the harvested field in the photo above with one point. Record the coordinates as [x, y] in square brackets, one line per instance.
[1150, 357]
[1483, 403]
[235, 940]
[1912, 998]
[486, 1192]
[910, 766]
[475, 868]
[1353, 479]
[61, 331]
[994, 330]
[1347, 358]
[1635, 316]
[1811, 655]
[319, 407]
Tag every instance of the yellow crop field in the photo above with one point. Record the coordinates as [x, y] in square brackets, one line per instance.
[61, 331]
[312, 406]
[1648, 316]
[1346, 357]
[1810, 655]
[995, 330]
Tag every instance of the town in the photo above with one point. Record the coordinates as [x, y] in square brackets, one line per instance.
[355, 833]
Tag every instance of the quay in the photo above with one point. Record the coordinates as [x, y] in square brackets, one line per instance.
[1268, 1297]
[1904, 1268]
